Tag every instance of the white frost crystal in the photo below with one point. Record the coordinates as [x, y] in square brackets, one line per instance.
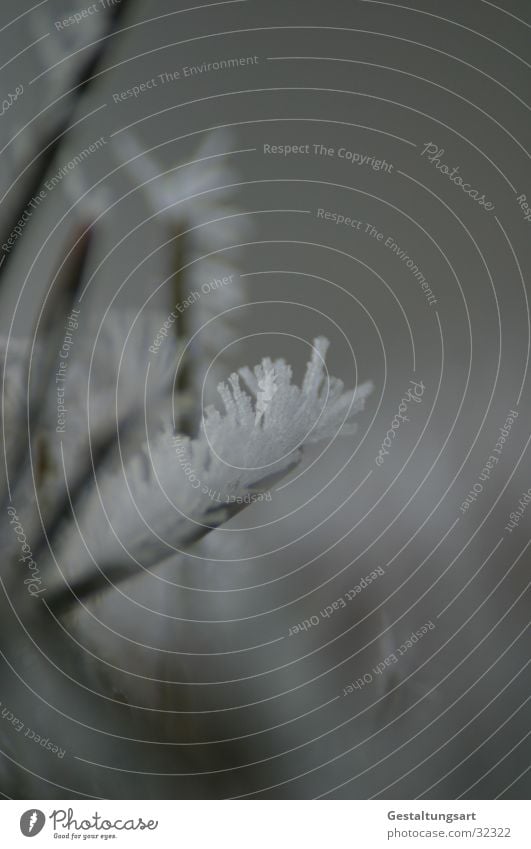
[177, 488]
[266, 389]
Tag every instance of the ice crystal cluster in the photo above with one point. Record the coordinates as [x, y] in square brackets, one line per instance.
[177, 488]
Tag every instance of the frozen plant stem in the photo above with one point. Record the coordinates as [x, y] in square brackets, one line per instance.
[161, 500]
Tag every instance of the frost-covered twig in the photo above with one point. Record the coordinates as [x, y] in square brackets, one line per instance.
[177, 489]
[194, 204]
[69, 57]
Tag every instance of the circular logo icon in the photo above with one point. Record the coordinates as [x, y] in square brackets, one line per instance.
[32, 822]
